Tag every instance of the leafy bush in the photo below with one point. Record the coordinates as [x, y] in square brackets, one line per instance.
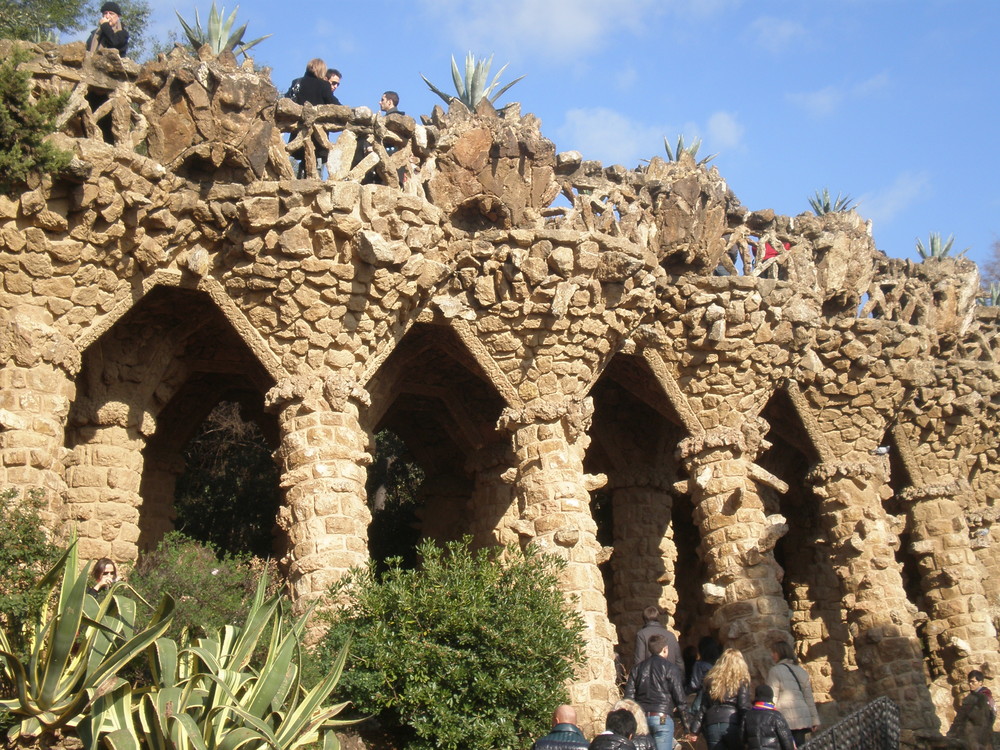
[230, 490]
[23, 126]
[470, 650]
[210, 591]
[25, 556]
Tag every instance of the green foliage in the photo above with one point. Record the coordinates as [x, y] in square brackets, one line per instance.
[26, 19]
[230, 492]
[135, 20]
[210, 592]
[78, 646]
[470, 650]
[23, 126]
[692, 150]
[218, 34]
[25, 556]
[938, 248]
[991, 295]
[214, 695]
[472, 88]
[823, 203]
[394, 481]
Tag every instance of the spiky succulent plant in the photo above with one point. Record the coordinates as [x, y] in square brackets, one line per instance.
[692, 150]
[471, 88]
[823, 203]
[218, 34]
[938, 248]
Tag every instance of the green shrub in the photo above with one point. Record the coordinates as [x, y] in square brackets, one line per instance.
[23, 126]
[25, 556]
[470, 650]
[210, 591]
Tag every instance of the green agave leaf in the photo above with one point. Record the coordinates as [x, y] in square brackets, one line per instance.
[447, 97]
[456, 77]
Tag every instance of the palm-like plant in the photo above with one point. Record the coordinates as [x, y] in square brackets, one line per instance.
[472, 88]
[218, 34]
[692, 150]
[938, 248]
[823, 203]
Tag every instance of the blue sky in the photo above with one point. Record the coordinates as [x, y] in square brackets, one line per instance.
[894, 102]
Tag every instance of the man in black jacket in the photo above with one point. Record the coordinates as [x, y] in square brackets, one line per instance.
[764, 728]
[657, 684]
[110, 33]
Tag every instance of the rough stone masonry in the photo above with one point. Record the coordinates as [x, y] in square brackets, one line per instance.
[799, 447]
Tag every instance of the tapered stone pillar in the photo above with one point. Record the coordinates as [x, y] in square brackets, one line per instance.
[879, 617]
[737, 541]
[37, 367]
[960, 632]
[103, 501]
[323, 458]
[645, 555]
[553, 499]
[492, 509]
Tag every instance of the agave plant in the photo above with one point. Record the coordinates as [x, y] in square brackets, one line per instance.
[218, 34]
[938, 248]
[991, 295]
[209, 695]
[472, 89]
[823, 203]
[77, 647]
[692, 150]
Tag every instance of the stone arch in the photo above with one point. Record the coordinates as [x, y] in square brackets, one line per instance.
[175, 350]
[793, 447]
[635, 432]
[434, 394]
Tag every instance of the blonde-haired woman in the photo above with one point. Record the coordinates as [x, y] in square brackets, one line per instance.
[642, 739]
[723, 700]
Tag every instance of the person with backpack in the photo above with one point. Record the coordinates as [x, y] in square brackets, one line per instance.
[974, 721]
[792, 690]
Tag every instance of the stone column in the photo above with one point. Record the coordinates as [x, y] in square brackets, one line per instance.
[324, 459]
[103, 501]
[879, 617]
[645, 555]
[737, 540]
[492, 508]
[37, 367]
[158, 490]
[553, 499]
[960, 631]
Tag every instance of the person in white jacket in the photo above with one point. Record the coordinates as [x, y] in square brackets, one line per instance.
[792, 692]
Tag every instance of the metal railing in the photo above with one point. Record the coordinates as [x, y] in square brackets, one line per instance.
[872, 727]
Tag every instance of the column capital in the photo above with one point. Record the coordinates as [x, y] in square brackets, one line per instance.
[948, 488]
[747, 439]
[827, 471]
[316, 392]
[575, 415]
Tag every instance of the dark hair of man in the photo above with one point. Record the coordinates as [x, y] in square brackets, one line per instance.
[709, 649]
[656, 644]
[784, 651]
[393, 97]
[333, 72]
[620, 722]
[651, 613]
[975, 674]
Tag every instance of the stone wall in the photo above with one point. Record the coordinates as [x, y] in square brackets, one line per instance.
[801, 448]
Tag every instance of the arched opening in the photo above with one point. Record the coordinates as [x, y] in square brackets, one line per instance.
[434, 414]
[144, 389]
[635, 431]
[810, 585]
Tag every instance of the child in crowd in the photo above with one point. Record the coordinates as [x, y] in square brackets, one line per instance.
[764, 728]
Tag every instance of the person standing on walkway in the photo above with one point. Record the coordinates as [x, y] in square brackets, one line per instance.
[793, 695]
[565, 734]
[653, 626]
[722, 702]
[657, 684]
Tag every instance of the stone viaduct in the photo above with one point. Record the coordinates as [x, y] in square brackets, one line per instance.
[804, 447]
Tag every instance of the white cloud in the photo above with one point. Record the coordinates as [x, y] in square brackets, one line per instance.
[614, 138]
[608, 136]
[827, 100]
[819, 103]
[906, 190]
[775, 34]
[554, 28]
[725, 132]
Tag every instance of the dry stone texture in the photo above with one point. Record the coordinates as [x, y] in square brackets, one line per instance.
[801, 448]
